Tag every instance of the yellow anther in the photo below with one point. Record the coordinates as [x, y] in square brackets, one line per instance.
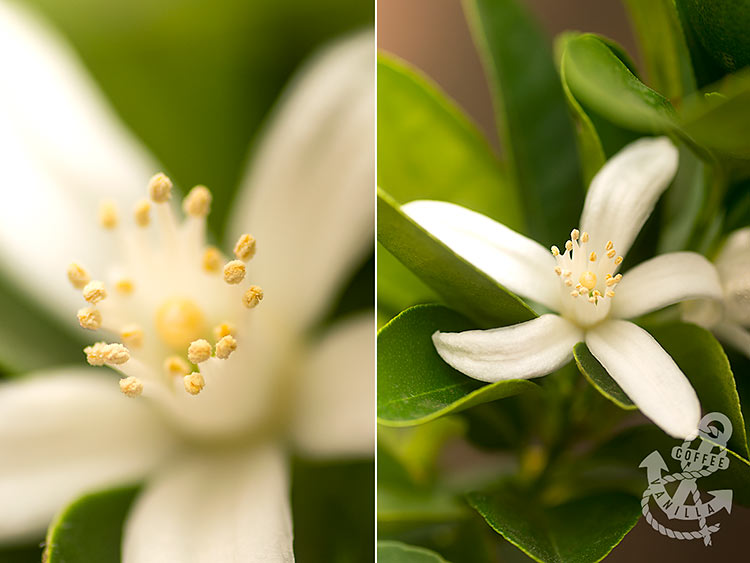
[574, 293]
[199, 351]
[618, 260]
[569, 245]
[592, 256]
[89, 318]
[179, 321]
[245, 247]
[198, 202]
[596, 293]
[131, 386]
[194, 383]
[252, 297]
[588, 280]
[574, 234]
[95, 353]
[142, 213]
[618, 277]
[585, 237]
[224, 329]
[212, 259]
[160, 188]
[582, 290]
[234, 272]
[567, 273]
[94, 291]
[555, 251]
[132, 335]
[610, 293]
[125, 286]
[116, 354]
[78, 275]
[108, 214]
[611, 282]
[569, 282]
[225, 347]
[175, 365]
[610, 245]
[611, 253]
[558, 270]
[592, 299]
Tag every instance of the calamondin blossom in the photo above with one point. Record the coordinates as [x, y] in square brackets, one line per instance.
[219, 379]
[581, 282]
[728, 319]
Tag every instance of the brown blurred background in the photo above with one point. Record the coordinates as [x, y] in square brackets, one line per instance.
[433, 35]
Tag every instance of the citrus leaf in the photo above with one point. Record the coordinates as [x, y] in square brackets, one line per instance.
[397, 552]
[597, 376]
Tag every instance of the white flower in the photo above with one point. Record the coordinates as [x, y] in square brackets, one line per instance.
[581, 283]
[215, 462]
[728, 319]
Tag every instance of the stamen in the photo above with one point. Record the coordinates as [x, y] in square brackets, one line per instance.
[555, 251]
[94, 292]
[569, 245]
[160, 188]
[108, 214]
[78, 275]
[198, 202]
[175, 365]
[142, 213]
[574, 234]
[569, 282]
[194, 383]
[89, 318]
[199, 351]
[124, 286]
[234, 272]
[610, 293]
[585, 237]
[618, 260]
[245, 247]
[101, 353]
[610, 245]
[252, 297]
[225, 347]
[212, 259]
[132, 335]
[224, 329]
[611, 253]
[131, 386]
[558, 270]
[592, 256]
[574, 293]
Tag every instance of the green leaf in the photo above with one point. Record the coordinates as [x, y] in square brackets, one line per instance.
[460, 284]
[398, 288]
[414, 384]
[597, 376]
[428, 148]
[90, 528]
[662, 46]
[397, 552]
[579, 531]
[705, 69]
[535, 129]
[599, 79]
[682, 203]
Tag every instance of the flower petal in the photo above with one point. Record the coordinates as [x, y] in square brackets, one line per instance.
[66, 432]
[735, 335]
[531, 349]
[62, 150]
[335, 408]
[520, 264]
[664, 280]
[648, 375]
[623, 193]
[230, 506]
[308, 195]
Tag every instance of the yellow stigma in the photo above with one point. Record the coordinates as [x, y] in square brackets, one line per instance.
[179, 321]
[588, 280]
[194, 383]
[160, 188]
[198, 202]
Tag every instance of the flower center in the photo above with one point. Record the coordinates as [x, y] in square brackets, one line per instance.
[179, 321]
[172, 288]
[594, 271]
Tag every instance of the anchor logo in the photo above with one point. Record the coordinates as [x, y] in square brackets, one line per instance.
[695, 463]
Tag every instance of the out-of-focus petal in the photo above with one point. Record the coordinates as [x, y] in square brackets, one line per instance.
[308, 194]
[221, 506]
[66, 432]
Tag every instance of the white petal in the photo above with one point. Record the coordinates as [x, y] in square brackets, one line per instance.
[62, 150]
[520, 264]
[222, 506]
[66, 432]
[735, 335]
[664, 280]
[648, 375]
[623, 193]
[335, 410]
[308, 195]
[531, 349]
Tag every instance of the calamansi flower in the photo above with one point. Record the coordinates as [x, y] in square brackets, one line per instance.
[220, 379]
[728, 319]
[582, 284]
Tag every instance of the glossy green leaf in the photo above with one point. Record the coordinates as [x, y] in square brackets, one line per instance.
[579, 531]
[597, 376]
[428, 148]
[90, 528]
[662, 46]
[398, 288]
[705, 69]
[397, 552]
[460, 284]
[601, 81]
[535, 129]
[414, 384]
